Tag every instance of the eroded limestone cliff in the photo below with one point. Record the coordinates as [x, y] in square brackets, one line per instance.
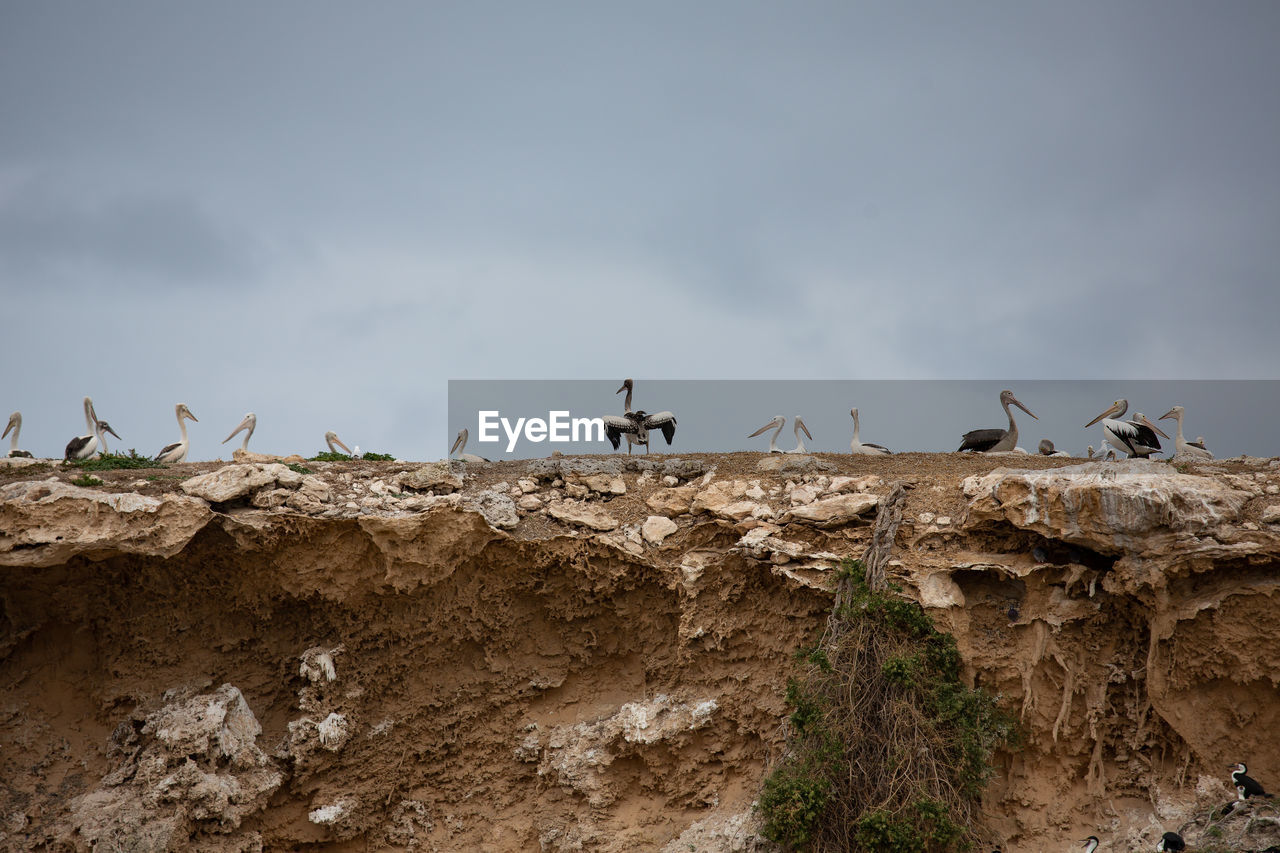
[590, 653]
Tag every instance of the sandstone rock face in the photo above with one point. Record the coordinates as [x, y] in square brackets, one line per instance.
[1108, 506]
[834, 511]
[582, 515]
[238, 481]
[431, 477]
[47, 523]
[477, 675]
[656, 528]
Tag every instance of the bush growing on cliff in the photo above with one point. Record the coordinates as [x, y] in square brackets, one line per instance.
[888, 751]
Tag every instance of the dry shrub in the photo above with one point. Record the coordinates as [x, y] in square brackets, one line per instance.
[888, 751]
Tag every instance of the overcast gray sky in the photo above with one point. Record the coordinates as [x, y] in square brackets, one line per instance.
[322, 212]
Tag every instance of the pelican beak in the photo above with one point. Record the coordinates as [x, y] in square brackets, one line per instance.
[338, 442]
[620, 390]
[107, 428]
[1108, 413]
[457, 442]
[1166, 415]
[193, 417]
[244, 424]
[1024, 408]
[769, 425]
[1147, 421]
[6, 429]
[805, 428]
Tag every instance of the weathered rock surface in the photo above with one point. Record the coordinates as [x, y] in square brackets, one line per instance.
[657, 528]
[239, 481]
[46, 523]
[834, 511]
[573, 512]
[431, 477]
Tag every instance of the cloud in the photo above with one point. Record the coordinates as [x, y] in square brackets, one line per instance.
[147, 240]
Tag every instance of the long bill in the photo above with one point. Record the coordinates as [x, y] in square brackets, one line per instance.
[1114, 409]
[1024, 408]
[1146, 421]
[244, 424]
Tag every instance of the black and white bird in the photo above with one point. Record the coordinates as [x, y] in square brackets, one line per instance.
[249, 423]
[636, 426]
[177, 452]
[1136, 437]
[858, 446]
[637, 430]
[1091, 844]
[996, 440]
[1171, 842]
[15, 426]
[1247, 786]
[1047, 449]
[460, 447]
[84, 446]
[776, 423]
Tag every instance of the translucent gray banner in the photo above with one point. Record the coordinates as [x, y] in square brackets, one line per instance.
[1235, 417]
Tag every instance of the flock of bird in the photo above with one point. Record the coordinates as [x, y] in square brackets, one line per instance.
[1172, 842]
[94, 441]
[1138, 437]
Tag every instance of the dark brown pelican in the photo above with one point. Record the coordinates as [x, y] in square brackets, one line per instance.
[15, 426]
[997, 440]
[177, 452]
[858, 447]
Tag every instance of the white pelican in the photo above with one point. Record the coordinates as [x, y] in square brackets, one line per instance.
[177, 452]
[357, 453]
[460, 447]
[997, 440]
[103, 429]
[1182, 447]
[868, 449]
[1047, 449]
[776, 423]
[1136, 437]
[15, 425]
[637, 430]
[331, 439]
[84, 446]
[249, 424]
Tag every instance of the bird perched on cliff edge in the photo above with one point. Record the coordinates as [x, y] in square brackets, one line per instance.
[1246, 786]
[1171, 841]
[1091, 844]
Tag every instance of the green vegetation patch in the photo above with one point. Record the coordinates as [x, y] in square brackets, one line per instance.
[888, 750]
[86, 480]
[330, 456]
[115, 461]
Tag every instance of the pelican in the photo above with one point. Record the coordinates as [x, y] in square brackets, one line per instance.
[997, 440]
[177, 452]
[1047, 449]
[868, 449]
[15, 425]
[249, 424]
[84, 446]
[640, 433]
[332, 440]
[460, 447]
[103, 429]
[1182, 447]
[636, 425]
[776, 423]
[1136, 437]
